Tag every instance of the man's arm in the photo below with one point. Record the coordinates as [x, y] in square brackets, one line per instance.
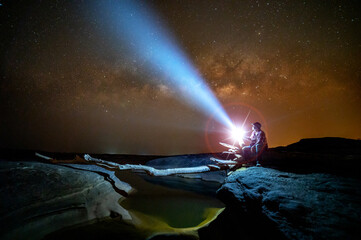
[247, 138]
[261, 138]
[250, 138]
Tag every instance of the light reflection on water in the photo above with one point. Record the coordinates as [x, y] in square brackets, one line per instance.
[177, 212]
[177, 207]
[158, 208]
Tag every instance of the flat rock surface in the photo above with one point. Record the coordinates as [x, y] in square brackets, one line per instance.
[302, 206]
[38, 198]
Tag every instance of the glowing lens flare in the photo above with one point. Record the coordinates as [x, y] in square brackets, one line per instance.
[238, 134]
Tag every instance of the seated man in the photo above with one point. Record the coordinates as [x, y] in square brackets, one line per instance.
[258, 143]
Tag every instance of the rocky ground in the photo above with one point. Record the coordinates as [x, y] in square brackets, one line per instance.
[300, 206]
[308, 190]
[38, 198]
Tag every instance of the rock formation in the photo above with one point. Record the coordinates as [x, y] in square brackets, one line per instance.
[299, 206]
[38, 198]
[307, 190]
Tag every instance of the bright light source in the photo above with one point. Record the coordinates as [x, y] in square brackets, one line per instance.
[238, 134]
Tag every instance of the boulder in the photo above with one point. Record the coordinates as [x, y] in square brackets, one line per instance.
[38, 198]
[297, 206]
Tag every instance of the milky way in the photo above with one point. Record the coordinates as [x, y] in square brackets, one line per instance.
[69, 84]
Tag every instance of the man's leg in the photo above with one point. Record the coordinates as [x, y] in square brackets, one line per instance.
[259, 151]
[246, 152]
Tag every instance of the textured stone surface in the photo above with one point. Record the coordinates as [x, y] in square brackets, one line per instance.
[38, 198]
[302, 206]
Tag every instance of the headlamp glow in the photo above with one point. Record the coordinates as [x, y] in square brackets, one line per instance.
[238, 134]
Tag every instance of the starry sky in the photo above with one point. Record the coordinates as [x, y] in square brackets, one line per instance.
[68, 84]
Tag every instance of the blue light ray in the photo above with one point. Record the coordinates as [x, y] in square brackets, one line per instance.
[145, 36]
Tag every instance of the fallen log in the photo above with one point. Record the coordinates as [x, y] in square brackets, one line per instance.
[149, 170]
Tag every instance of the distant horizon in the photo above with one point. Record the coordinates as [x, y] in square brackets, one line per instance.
[160, 155]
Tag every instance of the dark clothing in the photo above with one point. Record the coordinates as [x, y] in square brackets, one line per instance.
[258, 138]
[257, 146]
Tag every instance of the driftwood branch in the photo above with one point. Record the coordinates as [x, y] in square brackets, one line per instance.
[220, 165]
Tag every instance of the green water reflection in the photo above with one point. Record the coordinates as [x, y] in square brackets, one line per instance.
[178, 212]
[158, 209]
[178, 208]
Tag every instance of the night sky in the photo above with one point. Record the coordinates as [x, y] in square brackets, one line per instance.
[69, 84]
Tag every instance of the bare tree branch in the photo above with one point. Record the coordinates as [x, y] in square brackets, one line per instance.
[149, 170]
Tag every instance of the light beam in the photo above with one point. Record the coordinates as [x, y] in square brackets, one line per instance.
[144, 35]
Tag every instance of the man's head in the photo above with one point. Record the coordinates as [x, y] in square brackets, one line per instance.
[256, 126]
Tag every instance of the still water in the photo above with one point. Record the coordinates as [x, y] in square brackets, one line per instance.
[158, 205]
